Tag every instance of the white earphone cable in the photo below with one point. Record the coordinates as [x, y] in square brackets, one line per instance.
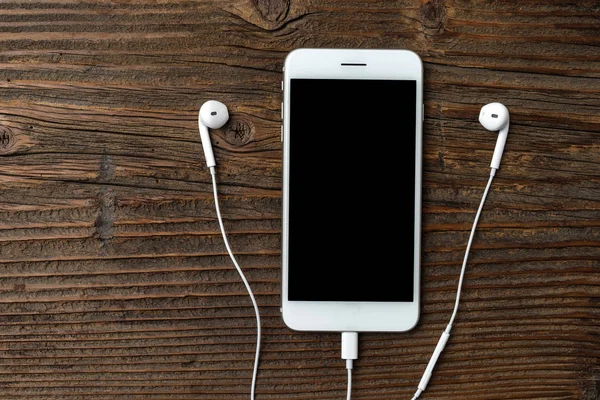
[257, 356]
[446, 334]
[464, 264]
[349, 394]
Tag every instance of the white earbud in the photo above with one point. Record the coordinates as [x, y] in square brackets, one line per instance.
[495, 117]
[213, 114]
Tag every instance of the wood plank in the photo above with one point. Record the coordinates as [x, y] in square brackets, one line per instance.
[114, 280]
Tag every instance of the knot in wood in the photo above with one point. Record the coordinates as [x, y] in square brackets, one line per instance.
[7, 140]
[272, 10]
[239, 132]
[433, 16]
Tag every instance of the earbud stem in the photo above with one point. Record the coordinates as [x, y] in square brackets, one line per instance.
[502, 135]
[206, 145]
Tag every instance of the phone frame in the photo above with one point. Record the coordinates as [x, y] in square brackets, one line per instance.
[352, 64]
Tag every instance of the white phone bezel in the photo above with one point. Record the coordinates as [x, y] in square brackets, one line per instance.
[327, 64]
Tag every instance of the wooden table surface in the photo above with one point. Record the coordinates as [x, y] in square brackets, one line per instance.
[114, 280]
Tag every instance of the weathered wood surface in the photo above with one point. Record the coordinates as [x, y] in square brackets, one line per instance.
[115, 284]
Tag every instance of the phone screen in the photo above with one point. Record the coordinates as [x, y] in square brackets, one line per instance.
[352, 190]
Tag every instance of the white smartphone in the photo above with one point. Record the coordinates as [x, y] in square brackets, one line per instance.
[352, 155]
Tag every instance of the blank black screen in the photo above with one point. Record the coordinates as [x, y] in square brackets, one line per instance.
[351, 190]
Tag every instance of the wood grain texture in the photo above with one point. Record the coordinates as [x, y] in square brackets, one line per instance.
[114, 281]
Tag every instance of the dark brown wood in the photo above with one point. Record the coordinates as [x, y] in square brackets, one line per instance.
[114, 281]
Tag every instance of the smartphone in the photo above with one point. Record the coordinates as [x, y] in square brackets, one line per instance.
[351, 221]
